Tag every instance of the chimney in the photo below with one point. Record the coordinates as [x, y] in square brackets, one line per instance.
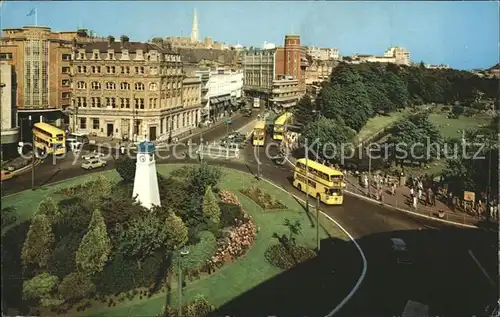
[124, 39]
[111, 40]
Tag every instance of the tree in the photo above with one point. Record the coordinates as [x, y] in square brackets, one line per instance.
[76, 286]
[8, 216]
[49, 208]
[125, 166]
[95, 247]
[201, 176]
[177, 232]
[142, 236]
[294, 229]
[331, 135]
[396, 90]
[303, 111]
[211, 208]
[37, 247]
[40, 286]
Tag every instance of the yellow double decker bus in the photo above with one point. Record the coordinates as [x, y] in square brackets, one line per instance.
[324, 182]
[49, 139]
[259, 133]
[279, 125]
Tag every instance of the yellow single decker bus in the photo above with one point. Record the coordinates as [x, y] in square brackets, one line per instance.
[279, 125]
[49, 139]
[259, 133]
[324, 182]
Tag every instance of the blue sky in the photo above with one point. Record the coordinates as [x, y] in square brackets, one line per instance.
[462, 34]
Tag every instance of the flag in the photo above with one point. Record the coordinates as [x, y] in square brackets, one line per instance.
[32, 12]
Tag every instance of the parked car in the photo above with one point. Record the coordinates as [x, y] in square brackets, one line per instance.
[6, 175]
[400, 251]
[93, 163]
[90, 156]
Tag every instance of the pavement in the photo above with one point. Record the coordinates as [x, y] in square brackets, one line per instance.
[443, 276]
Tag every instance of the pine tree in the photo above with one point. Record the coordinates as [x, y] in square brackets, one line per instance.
[95, 247]
[211, 208]
[39, 240]
[49, 208]
[177, 232]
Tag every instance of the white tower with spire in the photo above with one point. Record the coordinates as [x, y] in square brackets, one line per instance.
[194, 29]
[146, 182]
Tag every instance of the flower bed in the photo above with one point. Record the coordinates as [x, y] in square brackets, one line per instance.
[240, 237]
[263, 199]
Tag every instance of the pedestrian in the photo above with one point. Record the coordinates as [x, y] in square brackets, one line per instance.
[415, 202]
[393, 189]
[412, 192]
[419, 193]
[433, 199]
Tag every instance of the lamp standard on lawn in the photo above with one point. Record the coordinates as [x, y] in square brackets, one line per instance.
[182, 253]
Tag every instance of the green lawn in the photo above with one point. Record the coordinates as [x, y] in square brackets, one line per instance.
[378, 123]
[234, 278]
[450, 127]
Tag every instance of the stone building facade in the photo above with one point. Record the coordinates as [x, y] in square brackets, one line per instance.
[276, 76]
[130, 90]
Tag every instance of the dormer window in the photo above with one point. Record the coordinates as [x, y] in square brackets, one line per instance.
[95, 55]
[111, 55]
[81, 56]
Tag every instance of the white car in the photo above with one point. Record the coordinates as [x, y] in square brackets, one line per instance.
[93, 163]
[90, 156]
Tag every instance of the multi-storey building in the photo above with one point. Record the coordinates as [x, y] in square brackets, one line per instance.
[319, 71]
[221, 91]
[401, 56]
[323, 54]
[283, 64]
[129, 90]
[440, 66]
[10, 132]
[41, 63]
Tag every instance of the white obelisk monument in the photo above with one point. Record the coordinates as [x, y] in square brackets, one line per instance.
[146, 182]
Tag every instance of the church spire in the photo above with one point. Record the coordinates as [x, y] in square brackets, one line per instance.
[194, 29]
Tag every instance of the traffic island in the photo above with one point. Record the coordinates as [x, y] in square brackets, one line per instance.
[127, 283]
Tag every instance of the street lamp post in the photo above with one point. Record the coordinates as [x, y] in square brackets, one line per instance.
[33, 160]
[369, 171]
[182, 253]
[228, 122]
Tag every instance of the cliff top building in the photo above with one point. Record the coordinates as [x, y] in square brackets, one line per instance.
[323, 54]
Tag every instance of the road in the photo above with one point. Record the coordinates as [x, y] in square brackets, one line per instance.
[443, 276]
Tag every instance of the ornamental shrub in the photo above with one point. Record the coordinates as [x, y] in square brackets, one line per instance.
[286, 256]
[230, 215]
[63, 262]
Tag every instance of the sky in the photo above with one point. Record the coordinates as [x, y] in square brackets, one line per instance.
[462, 34]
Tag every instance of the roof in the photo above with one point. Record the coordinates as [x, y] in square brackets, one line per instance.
[260, 125]
[196, 55]
[282, 118]
[48, 127]
[146, 147]
[320, 167]
[132, 47]
[398, 242]
[497, 66]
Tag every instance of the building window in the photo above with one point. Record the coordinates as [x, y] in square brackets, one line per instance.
[124, 86]
[153, 86]
[125, 70]
[127, 103]
[113, 102]
[66, 95]
[110, 86]
[81, 56]
[96, 85]
[110, 69]
[139, 86]
[96, 55]
[81, 102]
[65, 70]
[95, 69]
[65, 82]
[81, 85]
[139, 103]
[83, 123]
[82, 69]
[111, 55]
[95, 124]
[139, 70]
[5, 56]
